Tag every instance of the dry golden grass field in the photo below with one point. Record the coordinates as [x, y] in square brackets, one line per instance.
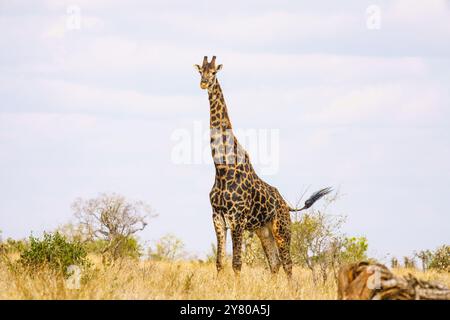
[175, 280]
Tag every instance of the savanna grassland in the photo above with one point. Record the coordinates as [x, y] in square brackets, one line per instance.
[114, 265]
[132, 279]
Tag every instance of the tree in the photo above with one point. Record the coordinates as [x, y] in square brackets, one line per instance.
[112, 218]
[409, 262]
[354, 249]
[319, 244]
[316, 242]
[169, 247]
[441, 259]
[425, 256]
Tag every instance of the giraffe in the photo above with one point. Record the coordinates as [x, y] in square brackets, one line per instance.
[241, 200]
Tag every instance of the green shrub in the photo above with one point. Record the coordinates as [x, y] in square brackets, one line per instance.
[441, 259]
[119, 247]
[168, 248]
[354, 249]
[126, 247]
[54, 251]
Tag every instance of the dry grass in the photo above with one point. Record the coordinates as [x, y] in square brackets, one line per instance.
[174, 280]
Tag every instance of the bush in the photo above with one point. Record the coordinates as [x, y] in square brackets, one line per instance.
[441, 259]
[319, 244]
[354, 249]
[168, 248]
[124, 247]
[316, 242]
[118, 248]
[54, 251]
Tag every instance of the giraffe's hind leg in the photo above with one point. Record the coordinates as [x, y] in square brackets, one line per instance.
[281, 226]
[270, 247]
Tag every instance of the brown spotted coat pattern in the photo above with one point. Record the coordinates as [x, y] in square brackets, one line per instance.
[241, 200]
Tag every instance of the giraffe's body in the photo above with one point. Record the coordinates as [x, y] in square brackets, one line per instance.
[239, 198]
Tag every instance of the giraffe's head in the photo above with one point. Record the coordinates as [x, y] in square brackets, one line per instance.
[208, 71]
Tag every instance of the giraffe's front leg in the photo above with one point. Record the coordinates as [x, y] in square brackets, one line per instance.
[221, 233]
[236, 237]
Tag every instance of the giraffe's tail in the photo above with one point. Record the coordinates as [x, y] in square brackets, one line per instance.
[314, 197]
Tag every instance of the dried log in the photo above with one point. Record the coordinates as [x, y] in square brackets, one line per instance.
[371, 281]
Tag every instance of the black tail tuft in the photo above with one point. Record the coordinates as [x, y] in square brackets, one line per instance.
[314, 197]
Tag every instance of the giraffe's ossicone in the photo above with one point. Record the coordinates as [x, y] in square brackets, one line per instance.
[240, 200]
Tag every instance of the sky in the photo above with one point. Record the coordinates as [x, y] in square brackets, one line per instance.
[97, 96]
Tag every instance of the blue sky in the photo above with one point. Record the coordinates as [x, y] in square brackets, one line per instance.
[94, 109]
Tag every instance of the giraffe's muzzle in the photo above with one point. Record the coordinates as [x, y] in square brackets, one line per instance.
[204, 85]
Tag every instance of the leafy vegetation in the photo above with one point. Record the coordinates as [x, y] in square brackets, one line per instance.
[126, 247]
[354, 249]
[168, 248]
[441, 259]
[53, 251]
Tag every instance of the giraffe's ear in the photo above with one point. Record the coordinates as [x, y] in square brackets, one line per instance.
[198, 67]
[219, 67]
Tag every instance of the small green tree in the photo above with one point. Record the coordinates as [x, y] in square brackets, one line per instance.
[316, 242]
[169, 247]
[319, 244]
[441, 259]
[54, 251]
[354, 249]
[128, 247]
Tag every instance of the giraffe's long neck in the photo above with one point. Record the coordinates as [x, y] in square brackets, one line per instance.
[219, 118]
[223, 142]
